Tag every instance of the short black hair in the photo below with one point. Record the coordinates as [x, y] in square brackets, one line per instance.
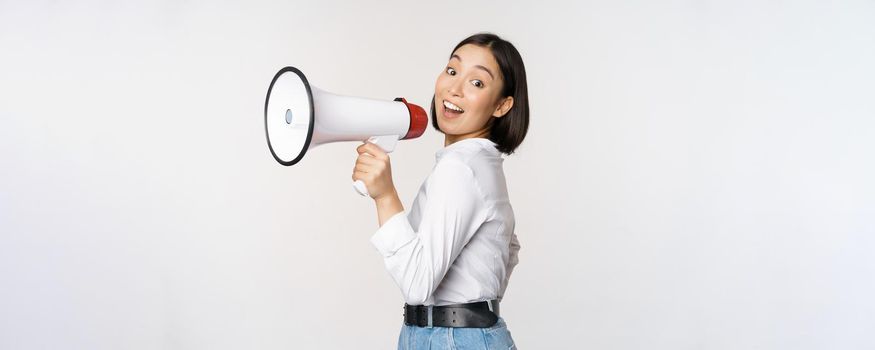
[508, 131]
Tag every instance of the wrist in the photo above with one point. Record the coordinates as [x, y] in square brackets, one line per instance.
[388, 205]
[388, 196]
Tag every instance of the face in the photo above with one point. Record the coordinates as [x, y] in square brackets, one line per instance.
[468, 94]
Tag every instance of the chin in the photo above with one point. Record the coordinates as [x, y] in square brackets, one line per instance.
[447, 129]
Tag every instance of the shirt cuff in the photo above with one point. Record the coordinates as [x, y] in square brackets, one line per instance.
[394, 234]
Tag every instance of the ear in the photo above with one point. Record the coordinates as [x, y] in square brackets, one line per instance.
[503, 107]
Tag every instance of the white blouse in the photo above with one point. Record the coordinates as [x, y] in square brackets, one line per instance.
[456, 244]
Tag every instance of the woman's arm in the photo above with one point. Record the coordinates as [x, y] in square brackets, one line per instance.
[388, 205]
[419, 259]
[375, 170]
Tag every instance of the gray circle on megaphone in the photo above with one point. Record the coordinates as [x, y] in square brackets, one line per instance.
[289, 97]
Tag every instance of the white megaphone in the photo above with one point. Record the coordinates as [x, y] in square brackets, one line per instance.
[298, 117]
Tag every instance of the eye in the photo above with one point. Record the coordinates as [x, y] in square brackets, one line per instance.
[477, 83]
[451, 71]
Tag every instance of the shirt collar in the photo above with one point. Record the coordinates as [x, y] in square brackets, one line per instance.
[469, 142]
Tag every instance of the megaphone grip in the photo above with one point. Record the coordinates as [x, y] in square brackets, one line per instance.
[361, 188]
[387, 144]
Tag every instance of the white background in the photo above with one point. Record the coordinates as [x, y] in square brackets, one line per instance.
[697, 174]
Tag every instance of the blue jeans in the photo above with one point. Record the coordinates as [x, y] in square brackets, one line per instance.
[439, 338]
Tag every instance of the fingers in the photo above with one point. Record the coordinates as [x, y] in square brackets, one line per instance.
[371, 162]
[373, 150]
[358, 175]
[365, 159]
[367, 164]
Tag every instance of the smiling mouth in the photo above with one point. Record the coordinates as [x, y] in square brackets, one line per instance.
[451, 109]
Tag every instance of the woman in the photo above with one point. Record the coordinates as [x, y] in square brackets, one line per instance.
[453, 253]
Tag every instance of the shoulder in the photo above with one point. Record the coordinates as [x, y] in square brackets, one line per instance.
[475, 169]
[473, 166]
[473, 163]
[462, 174]
[477, 157]
[474, 152]
[453, 169]
[453, 186]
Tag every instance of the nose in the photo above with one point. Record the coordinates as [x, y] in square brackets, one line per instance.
[454, 88]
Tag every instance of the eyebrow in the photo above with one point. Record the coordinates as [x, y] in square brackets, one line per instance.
[476, 66]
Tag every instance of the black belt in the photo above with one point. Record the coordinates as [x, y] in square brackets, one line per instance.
[481, 314]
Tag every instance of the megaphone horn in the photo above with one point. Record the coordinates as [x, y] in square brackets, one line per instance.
[299, 116]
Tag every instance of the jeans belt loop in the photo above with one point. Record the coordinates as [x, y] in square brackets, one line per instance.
[493, 306]
[430, 309]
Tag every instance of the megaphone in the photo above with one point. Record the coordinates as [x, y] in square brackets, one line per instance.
[299, 116]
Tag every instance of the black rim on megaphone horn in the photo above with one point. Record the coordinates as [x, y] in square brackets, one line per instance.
[312, 115]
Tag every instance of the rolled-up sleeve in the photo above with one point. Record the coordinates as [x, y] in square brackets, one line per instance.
[453, 211]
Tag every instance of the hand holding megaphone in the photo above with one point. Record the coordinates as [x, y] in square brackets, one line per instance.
[387, 144]
[299, 116]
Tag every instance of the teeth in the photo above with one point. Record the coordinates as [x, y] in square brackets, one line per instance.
[452, 106]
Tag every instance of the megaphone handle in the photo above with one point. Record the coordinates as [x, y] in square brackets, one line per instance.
[387, 144]
[361, 188]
